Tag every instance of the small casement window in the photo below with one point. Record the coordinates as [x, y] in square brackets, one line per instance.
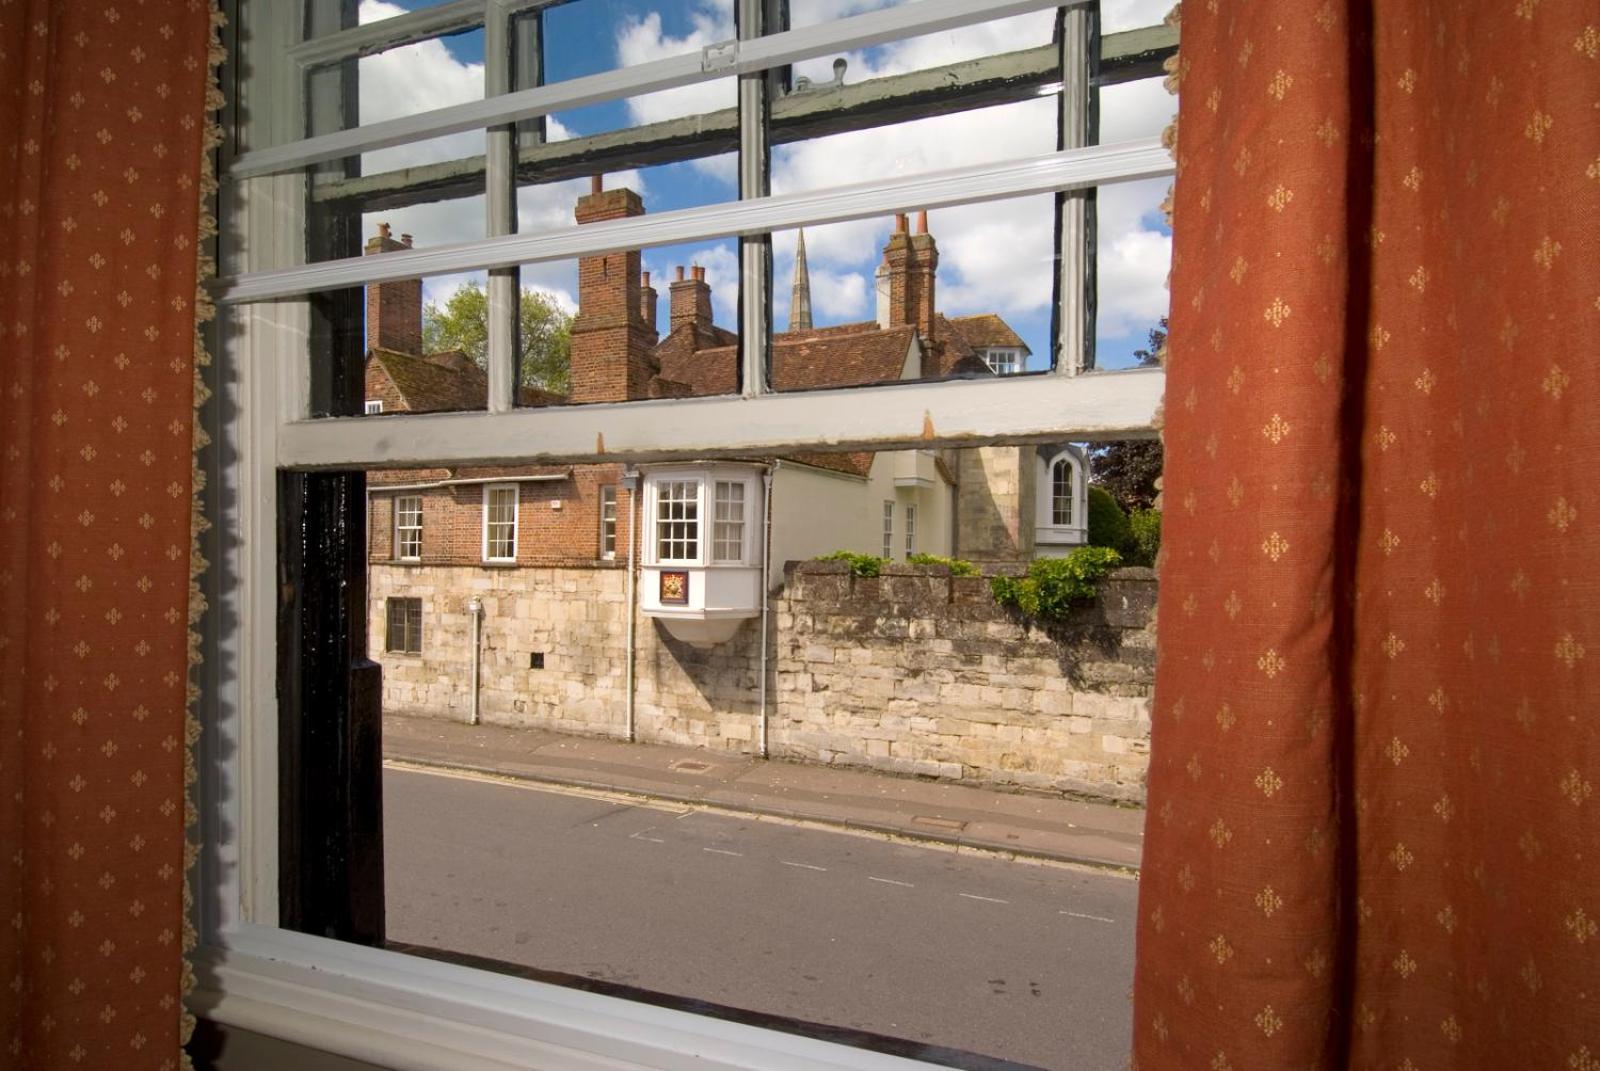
[404, 634]
[374, 405]
[678, 521]
[727, 533]
[888, 529]
[1061, 492]
[408, 527]
[1002, 362]
[911, 530]
[608, 521]
[500, 523]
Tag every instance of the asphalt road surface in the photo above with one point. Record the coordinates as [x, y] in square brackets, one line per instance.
[1010, 960]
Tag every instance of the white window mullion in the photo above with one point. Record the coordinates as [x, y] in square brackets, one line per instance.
[755, 251]
[1072, 343]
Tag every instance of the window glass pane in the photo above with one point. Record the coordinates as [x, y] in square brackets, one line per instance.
[608, 521]
[678, 521]
[888, 529]
[500, 523]
[1061, 493]
[1119, 15]
[729, 527]
[927, 296]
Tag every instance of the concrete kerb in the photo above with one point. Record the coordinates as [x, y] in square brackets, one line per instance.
[789, 816]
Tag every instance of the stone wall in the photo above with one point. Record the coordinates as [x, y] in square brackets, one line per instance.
[921, 673]
[915, 672]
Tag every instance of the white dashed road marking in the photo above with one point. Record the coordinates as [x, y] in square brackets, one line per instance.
[989, 899]
[722, 851]
[803, 866]
[891, 881]
[1092, 918]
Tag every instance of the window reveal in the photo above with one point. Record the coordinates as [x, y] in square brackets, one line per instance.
[404, 632]
[500, 524]
[678, 521]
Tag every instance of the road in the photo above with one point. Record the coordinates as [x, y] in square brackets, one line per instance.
[1011, 960]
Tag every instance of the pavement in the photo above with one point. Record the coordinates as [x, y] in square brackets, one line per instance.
[1012, 824]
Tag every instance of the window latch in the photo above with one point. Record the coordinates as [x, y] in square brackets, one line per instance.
[719, 57]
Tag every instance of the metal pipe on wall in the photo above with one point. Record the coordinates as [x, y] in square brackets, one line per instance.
[766, 589]
[630, 480]
[475, 608]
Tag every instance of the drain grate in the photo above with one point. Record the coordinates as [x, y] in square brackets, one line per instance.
[690, 766]
[949, 825]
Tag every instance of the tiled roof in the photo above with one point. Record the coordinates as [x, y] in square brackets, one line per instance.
[809, 361]
[447, 382]
[987, 329]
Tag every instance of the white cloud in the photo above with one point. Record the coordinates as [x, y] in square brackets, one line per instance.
[1117, 15]
[412, 79]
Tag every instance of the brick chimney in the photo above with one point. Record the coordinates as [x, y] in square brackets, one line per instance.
[647, 307]
[910, 269]
[394, 310]
[691, 299]
[612, 345]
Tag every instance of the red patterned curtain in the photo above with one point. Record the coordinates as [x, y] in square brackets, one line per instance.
[103, 123]
[1374, 837]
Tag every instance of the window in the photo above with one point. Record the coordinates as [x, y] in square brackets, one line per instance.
[678, 521]
[404, 632]
[608, 521]
[1061, 492]
[1003, 362]
[728, 530]
[911, 530]
[408, 527]
[299, 355]
[500, 523]
[373, 405]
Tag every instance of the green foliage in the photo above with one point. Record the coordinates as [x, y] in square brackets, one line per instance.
[1108, 525]
[1054, 584]
[1128, 468]
[462, 323]
[957, 566]
[867, 565]
[1146, 526]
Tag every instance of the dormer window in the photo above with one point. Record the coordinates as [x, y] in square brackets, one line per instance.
[1063, 500]
[1003, 361]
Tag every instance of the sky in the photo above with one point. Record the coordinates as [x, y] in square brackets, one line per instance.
[995, 257]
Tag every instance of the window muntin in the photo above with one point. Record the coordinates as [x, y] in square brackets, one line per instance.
[1061, 492]
[888, 529]
[500, 523]
[403, 634]
[728, 523]
[678, 521]
[608, 521]
[373, 406]
[911, 529]
[408, 527]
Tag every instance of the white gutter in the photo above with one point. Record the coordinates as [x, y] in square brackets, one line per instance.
[475, 481]
[630, 480]
[475, 608]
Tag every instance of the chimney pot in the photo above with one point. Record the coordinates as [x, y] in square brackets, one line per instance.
[597, 183]
[646, 278]
[699, 274]
[922, 222]
[383, 230]
[901, 223]
[405, 240]
[679, 273]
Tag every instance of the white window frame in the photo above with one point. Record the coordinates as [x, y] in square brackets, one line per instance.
[406, 1012]
[911, 529]
[696, 481]
[888, 527]
[400, 529]
[608, 521]
[489, 491]
[1003, 362]
[388, 624]
[714, 495]
[372, 407]
[1047, 531]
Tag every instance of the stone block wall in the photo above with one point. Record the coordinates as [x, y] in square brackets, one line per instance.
[920, 673]
[913, 672]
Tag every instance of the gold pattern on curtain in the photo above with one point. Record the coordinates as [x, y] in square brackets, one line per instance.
[103, 126]
[1374, 837]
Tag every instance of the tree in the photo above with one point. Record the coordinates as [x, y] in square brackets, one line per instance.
[462, 323]
[1129, 468]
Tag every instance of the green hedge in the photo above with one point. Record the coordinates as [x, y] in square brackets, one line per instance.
[1054, 584]
[957, 566]
[1108, 525]
[1146, 526]
[860, 564]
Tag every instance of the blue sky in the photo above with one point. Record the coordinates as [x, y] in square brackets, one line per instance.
[994, 258]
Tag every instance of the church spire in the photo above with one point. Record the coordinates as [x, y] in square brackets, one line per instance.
[800, 300]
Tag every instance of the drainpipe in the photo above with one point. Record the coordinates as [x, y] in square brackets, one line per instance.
[630, 480]
[766, 587]
[475, 608]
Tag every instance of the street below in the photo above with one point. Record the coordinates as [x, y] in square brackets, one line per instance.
[1011, 960]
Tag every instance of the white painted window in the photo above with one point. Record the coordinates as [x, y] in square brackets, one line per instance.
[500, 522]
[678, 521]
[888, 529]
[728, 525]
[911, 529]
[608, 521]
[408, 527]
[1062, 474]
[403, 632]
[374, 405]
[1002, 362]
